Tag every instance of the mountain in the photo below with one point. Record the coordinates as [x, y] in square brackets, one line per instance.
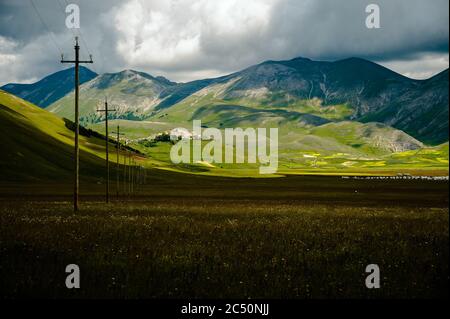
[298, 131]
[370, 138]
[282, 83]
[133, 94]
[313, 92]
[350, 89]
[421, 112]
[38, 145]
[50, 88]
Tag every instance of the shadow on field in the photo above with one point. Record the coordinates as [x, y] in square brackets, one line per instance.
[191, 236]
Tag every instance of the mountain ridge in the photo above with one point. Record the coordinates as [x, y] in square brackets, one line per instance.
[51, 88]
[132, 93]
[354, 89]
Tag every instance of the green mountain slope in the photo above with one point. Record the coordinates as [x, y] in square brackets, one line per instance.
[39, 146]
[133, 94]
[316, 131]
[370, 138]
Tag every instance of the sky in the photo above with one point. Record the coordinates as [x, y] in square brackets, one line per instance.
[186, 40]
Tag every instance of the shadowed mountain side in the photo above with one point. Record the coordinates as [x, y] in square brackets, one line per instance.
[422, 112]
[51, 88]
[38, 145]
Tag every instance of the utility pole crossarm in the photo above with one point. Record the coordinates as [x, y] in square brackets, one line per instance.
[108, 110]
[68, 61]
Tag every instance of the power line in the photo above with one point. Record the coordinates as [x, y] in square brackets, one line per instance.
[46, 26]
[77, 33]
[80, 35]
[74, 33]
[55, 43]
[63, 12]
[87, 48]
[64, 16]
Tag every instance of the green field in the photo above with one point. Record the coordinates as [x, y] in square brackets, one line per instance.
[185, 236]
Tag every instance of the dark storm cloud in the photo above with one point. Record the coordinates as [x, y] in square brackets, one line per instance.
[330, 29]
[187, 39]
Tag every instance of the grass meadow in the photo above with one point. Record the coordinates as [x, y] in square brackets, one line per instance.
[192, 236]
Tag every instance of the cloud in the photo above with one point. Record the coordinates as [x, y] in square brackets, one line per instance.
[330, 29]
[25, 62]
[420, 68]
[189, 39]
[190, 34]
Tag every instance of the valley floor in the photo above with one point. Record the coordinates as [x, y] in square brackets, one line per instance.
[192, 236]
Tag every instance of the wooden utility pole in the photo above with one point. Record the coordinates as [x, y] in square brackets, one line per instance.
[125, 190]
[77, 121]
[118, 165]
[107, 144]
[130, 174]
[127, 173]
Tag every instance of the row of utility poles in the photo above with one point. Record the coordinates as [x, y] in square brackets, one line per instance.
[107, 143]
[133, 176]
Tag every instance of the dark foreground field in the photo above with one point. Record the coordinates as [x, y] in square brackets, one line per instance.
[296, 237]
